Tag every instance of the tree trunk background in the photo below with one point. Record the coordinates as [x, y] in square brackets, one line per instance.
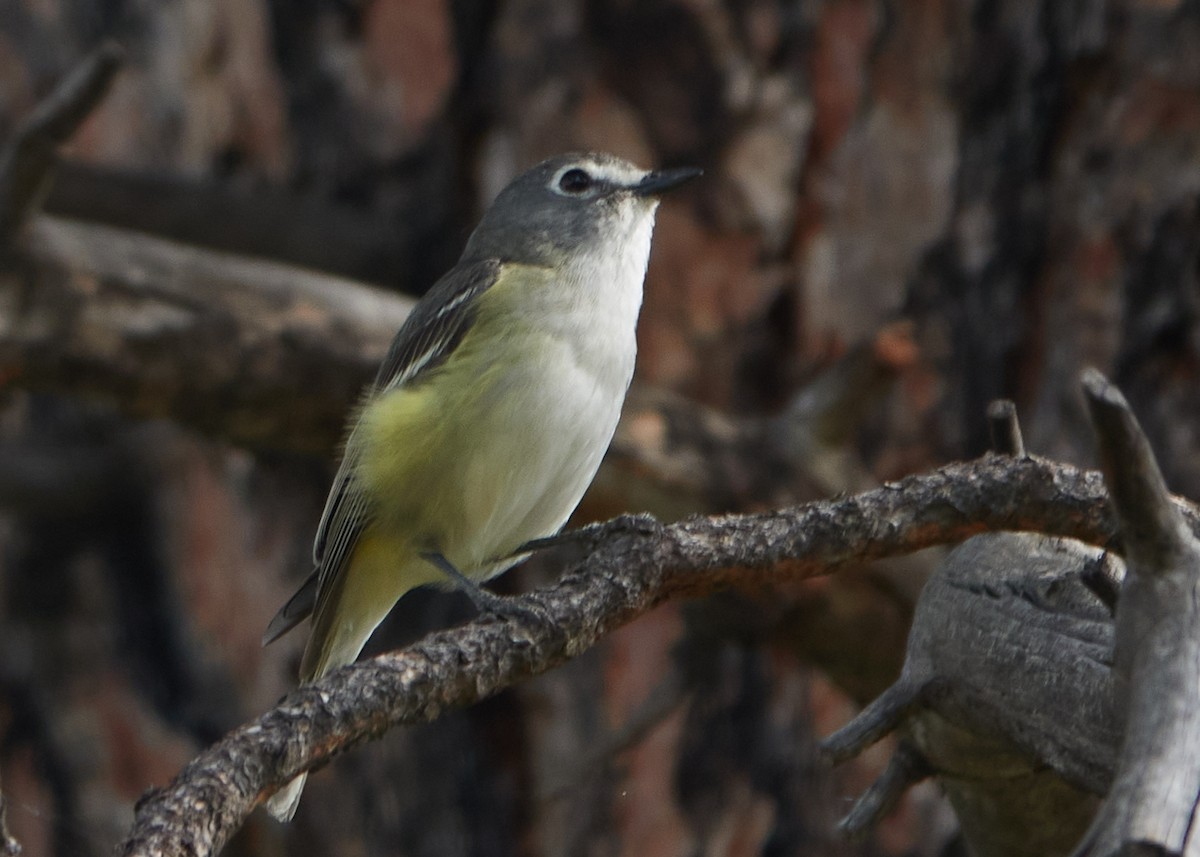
[1017, 179]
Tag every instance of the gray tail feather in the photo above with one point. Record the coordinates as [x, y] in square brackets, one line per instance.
[282, 805]
[298, 607]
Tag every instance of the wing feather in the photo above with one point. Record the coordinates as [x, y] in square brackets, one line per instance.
[428, 336]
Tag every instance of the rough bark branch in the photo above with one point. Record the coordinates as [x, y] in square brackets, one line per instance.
[634, 566]
[29, 158]
[1151, 807]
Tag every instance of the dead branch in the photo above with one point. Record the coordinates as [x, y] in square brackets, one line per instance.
[1006, 692]
[30, 156]
[241, 348]
[906, 768]
[635, 565]
[1017, 687]
[1151, 807]
[303, 230]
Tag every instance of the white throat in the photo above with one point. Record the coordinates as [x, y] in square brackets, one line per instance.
[607, 284]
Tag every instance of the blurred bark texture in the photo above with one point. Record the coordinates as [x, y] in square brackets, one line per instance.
[910, 209]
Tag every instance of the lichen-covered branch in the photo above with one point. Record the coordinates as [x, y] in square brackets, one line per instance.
[635, 565]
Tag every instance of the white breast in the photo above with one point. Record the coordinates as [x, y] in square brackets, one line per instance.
[560, 423]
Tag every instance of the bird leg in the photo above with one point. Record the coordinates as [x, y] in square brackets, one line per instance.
[488, 603]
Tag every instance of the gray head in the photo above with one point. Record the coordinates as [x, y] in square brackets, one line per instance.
[567, 204]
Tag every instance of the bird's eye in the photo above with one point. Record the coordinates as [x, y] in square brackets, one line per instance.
[575, 181]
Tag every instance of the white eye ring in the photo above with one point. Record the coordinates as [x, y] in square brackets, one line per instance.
[574, 181]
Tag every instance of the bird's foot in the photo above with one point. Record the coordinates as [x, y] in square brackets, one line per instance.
[487, 603]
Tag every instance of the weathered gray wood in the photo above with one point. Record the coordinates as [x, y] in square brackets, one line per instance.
[1006, 693]
[907, 767]
[1029, 701]
[240, 348]
[1151, 807]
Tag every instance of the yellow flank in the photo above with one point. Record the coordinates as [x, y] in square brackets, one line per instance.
[398, 434]
[483, 420]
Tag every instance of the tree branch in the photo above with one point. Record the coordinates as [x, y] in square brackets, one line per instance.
[1006, 692]
[1017, 687]
[1151, 807]
[30, 156]
[906, 768]
[634, 567]
[259, 353]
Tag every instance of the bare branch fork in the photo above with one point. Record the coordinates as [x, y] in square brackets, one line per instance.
[1026, 699]
[636, 565]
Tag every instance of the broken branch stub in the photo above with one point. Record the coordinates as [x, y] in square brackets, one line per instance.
[1151, 807]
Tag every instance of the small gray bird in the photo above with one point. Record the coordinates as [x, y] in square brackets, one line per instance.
[490, 414]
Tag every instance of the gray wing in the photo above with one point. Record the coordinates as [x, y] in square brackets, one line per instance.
[436, 325]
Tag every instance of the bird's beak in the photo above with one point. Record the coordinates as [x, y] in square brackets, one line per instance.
[661, 181]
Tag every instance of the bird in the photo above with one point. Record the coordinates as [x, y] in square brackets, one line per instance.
[491, 412]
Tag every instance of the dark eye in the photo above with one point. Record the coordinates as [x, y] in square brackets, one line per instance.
[575, 181]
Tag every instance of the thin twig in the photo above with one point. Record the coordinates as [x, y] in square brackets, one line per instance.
[876, 720]
[906, 768]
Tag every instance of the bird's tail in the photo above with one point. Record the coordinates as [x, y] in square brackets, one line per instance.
[282, 805]
[334, 642]
[343, 621]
